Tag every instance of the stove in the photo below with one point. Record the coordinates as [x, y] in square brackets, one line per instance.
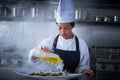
[107, 62]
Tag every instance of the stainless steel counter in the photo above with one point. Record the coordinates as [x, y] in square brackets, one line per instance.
[9, 74]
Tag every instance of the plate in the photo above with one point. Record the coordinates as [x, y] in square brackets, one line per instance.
[69, 76]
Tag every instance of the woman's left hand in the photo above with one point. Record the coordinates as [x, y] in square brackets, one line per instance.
[89, 73]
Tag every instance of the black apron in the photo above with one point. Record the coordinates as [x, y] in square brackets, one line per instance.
[70, 58]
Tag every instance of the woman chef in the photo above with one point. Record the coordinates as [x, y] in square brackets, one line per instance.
[73, 51]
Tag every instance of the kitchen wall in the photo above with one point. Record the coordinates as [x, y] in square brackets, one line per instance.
[22, 36]
[19, 36]
[25, 35]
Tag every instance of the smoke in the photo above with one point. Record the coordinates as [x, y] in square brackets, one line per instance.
[25, 12]
[27, 26]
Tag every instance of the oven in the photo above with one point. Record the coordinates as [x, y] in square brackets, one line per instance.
[107, 69]
[107, 63]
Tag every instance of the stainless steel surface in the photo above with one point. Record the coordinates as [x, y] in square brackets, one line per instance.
[107, 19]
[8, 74]
[3, 10]
[27, 10]
[11, 59]
[116, 18]
[14, 11]
[98, 18]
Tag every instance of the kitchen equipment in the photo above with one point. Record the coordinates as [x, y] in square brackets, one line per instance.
[83, 14]
[107, 62]
[76, 14]
[3, 10]
[33, 12]
[10, 59]
[107, 19]
[98, 18]
[116, 18]
[0, 10]
[14, 11]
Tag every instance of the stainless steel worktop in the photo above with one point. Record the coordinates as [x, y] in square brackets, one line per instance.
[9, 74]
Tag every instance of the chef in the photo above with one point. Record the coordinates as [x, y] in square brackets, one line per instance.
[72, 50]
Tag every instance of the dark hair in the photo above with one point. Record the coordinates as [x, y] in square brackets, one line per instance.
[71, 23]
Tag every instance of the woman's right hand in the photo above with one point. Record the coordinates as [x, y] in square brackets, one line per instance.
[45, 49]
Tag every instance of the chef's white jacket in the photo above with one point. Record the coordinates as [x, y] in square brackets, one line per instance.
[69, 44]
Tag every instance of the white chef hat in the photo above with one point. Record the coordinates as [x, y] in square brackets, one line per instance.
[65, 11]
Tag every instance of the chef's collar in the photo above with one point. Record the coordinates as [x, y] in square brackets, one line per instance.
[67, 39]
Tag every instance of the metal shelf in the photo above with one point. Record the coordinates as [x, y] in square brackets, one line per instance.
[98, 23]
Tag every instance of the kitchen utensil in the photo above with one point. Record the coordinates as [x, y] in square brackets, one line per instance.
[107, 19]
[116, 18]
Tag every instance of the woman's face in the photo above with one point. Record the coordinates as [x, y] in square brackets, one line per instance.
[65, 30]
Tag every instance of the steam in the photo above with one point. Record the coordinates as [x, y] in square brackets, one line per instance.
[28, 27]
[25, 15]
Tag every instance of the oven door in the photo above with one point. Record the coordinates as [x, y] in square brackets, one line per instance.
[107, 75]
[108, 70]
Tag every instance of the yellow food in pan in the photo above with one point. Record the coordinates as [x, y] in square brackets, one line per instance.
[54, 60]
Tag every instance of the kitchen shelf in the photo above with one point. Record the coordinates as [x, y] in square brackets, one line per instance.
[43, 10]
[98, 16]
[27, 19]
[97, 22]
